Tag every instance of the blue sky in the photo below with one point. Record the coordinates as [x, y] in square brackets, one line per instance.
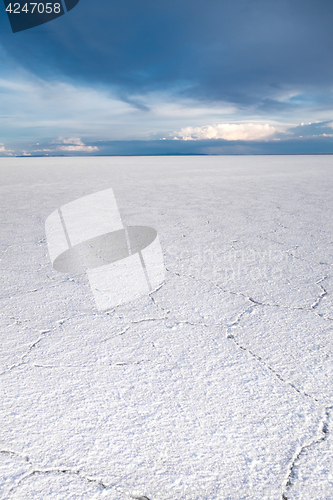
[170, 77]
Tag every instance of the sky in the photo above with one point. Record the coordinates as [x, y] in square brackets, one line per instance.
[170, 77]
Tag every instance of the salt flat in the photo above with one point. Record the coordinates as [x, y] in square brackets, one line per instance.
[216, 385]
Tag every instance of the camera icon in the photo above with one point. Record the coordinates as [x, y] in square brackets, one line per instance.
[122, 263]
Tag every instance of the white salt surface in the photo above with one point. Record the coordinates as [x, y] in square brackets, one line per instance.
[216, 386]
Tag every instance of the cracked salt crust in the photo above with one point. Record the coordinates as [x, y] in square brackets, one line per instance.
[313, 478]
[297, 344]
[216, 385]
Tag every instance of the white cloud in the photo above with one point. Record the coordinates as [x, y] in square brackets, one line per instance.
[75, 144]
[71, 144]
[43, 109]
[227, 131]
[88, 149]
[36, 110]
[72, 140]
[4, 151]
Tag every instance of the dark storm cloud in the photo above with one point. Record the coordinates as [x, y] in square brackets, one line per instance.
[270, 106]
[245, 51]
[311, 130]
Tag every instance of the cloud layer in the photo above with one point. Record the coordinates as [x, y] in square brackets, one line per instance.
[248, 53]
[74, 144]
[227, 131]
[125, 71]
